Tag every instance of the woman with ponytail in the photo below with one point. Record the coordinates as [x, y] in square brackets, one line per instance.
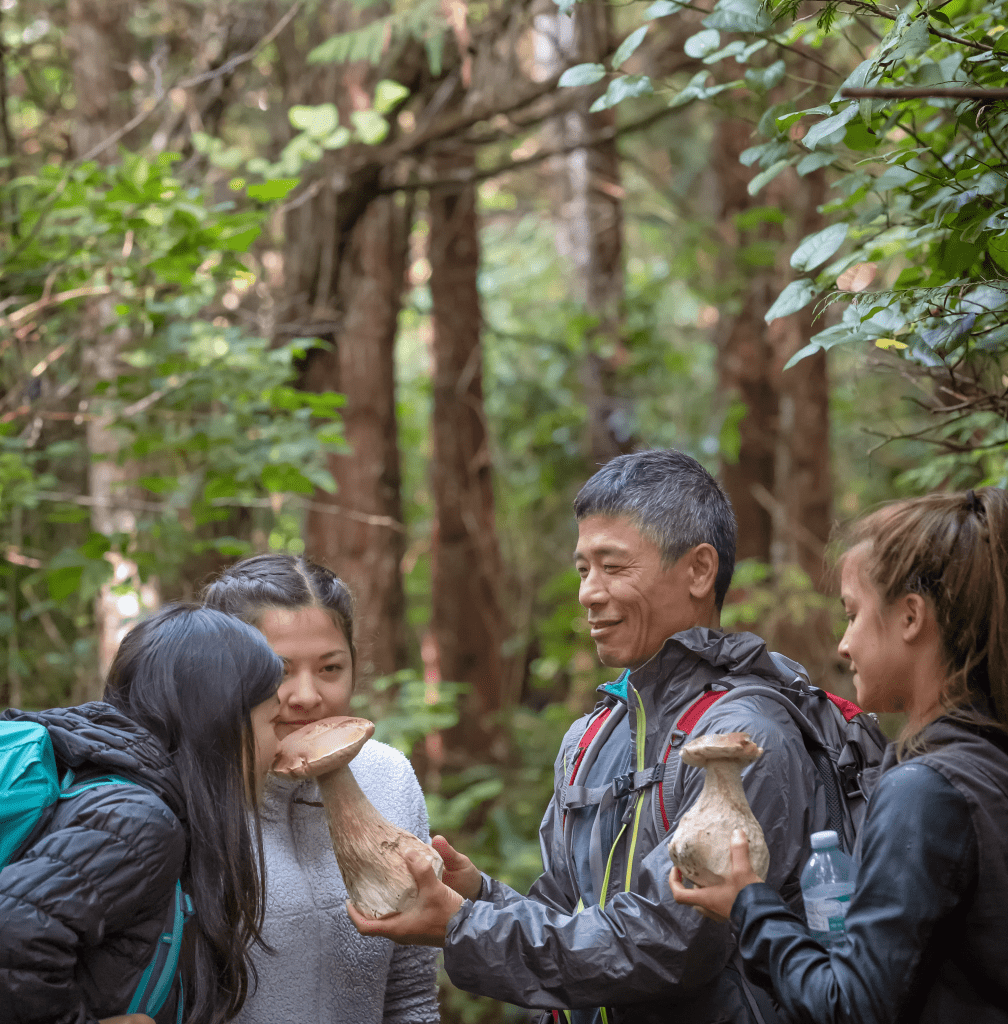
[323, 971]
[188, 725]
[924, 588]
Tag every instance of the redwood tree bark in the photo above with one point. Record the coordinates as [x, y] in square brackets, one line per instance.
[780, 485]
[345, 256]
[467, 619]
[358, 531]
[590, 221]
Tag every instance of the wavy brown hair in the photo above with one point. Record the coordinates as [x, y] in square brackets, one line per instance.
[953, 550]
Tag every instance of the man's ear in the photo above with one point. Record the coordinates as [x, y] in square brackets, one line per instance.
[703, 568]
[913, 614]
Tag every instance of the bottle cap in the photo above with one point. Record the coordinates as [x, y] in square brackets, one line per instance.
[824, 840]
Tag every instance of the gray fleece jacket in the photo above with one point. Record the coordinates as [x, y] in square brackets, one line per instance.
[324, 971]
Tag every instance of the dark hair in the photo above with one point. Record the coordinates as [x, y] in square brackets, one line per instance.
[673, 501]
[257, 584]
[953, 550]
[192, 676]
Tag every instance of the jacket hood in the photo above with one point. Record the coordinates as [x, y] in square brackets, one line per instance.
[729, 654]
[97, 736]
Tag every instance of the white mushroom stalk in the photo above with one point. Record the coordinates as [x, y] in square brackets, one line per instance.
[369, 849]
[700, 846]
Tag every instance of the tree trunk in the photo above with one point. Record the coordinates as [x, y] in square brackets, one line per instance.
[746, 359]
[345, 259]
[590, 221]
[360, 534]
[103, 47]
[467, 619]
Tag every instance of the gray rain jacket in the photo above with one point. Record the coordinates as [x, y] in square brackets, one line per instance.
[632, 948]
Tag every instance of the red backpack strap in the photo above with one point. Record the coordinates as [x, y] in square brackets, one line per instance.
[687, 723]
[847, 708]
[585, 741]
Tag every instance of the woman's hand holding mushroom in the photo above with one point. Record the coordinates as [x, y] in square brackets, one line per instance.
[425, 921]
[460, 873]
[715, 901]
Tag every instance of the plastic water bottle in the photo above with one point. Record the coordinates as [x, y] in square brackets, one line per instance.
[827, 883]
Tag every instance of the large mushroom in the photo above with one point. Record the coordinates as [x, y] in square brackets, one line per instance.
[700, 846]
[369, 849]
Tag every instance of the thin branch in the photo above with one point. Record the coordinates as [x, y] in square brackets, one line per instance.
[139, 505]
[73, 293]
[10, 147]
[470, 176]
[911, 92]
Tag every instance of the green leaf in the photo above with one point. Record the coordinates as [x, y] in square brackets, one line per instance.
[816, 249]
[64, 582]
[581, 74]
[662, 9]
[730, 436]
[699, 45]
[277, 188]
[765, 177]
[286, 478]
[239, 242]
[764, 79]
[627, 47]
[797, 295]
[829, 125]
[371, 127]
[316, 121]
[388, 94]
[813, 162]
[739, 16]
[626, 87]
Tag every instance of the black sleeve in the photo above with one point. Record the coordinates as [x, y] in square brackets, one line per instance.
[919, 857]
[111, 859]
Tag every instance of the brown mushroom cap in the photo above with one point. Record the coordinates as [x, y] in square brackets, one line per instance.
[322, 746]
[730, 746]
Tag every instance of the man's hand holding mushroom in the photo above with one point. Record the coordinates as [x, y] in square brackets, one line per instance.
[425, 921]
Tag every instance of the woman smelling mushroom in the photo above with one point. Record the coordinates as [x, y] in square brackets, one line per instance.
[323, 970]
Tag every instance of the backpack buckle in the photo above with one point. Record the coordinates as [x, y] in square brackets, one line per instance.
[850, 781]
[622, 786]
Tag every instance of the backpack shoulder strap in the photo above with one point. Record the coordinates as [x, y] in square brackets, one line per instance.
[157, 981]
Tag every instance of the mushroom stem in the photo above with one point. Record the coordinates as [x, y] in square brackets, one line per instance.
[700, 847]
[369, 849]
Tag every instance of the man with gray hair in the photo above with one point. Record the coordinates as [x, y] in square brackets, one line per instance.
[599, 937]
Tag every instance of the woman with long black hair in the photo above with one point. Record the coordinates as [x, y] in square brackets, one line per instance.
[187, 722]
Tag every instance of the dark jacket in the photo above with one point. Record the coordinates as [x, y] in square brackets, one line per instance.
[927, 920]
[84, 905]
[640, 953]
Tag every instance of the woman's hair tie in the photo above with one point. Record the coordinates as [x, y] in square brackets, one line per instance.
[973, 502]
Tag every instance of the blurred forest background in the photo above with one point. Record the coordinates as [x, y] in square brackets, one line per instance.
[383, 281]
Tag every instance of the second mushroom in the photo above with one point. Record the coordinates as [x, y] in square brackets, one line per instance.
[700, 845]
[369, 849]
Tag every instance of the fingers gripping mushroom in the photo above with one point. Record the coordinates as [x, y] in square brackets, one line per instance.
[369, 849]
[700, 846]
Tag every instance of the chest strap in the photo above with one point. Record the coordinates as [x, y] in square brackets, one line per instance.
[621, 786]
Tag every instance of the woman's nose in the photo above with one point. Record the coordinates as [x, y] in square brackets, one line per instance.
[298, 690]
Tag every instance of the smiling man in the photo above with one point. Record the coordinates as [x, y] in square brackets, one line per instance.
[599, 938]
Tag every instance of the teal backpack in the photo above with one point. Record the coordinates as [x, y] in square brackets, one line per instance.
[29, 785]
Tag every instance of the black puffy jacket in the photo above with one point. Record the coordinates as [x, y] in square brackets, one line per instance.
[82, 908]
[926, 921]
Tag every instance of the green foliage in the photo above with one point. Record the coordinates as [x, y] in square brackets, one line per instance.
[201, 409]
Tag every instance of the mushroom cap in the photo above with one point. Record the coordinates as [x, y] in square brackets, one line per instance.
[322, 746]
[730, 746]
